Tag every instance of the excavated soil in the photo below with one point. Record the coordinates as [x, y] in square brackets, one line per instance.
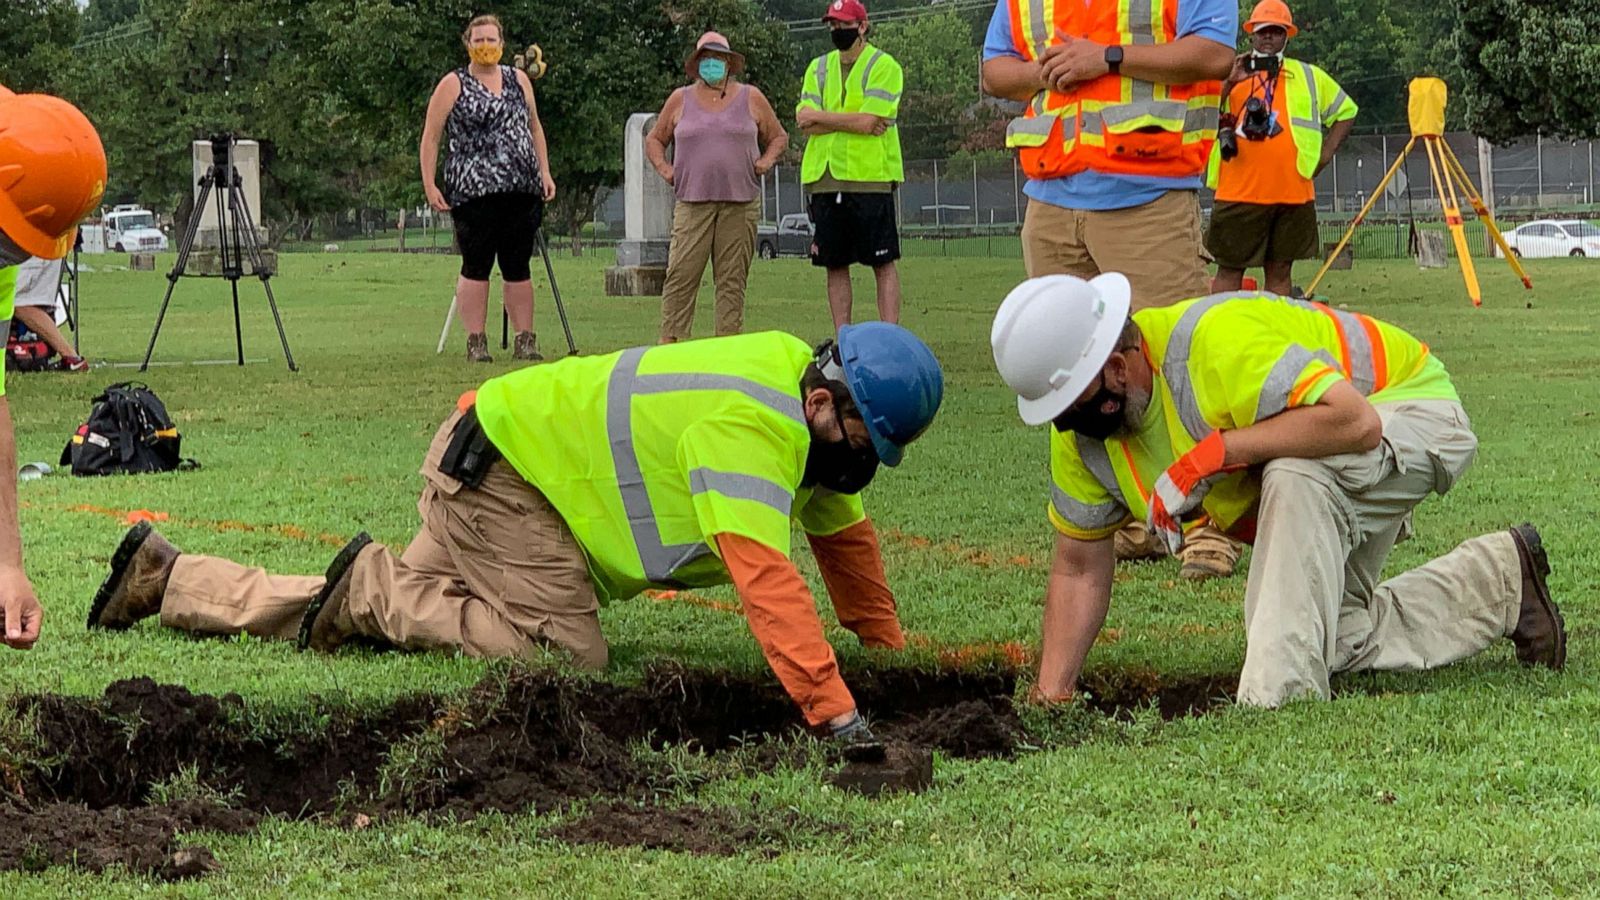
[118, 777]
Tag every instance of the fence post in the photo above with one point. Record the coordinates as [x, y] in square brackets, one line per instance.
[1383, 166]
[1016, 185]
[1486, 173]
[1590, 197]
[1335, 166]
[974, 193]
[938, 211]
[1538, 156]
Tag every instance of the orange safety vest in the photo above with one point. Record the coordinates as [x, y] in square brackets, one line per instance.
[1112, 124]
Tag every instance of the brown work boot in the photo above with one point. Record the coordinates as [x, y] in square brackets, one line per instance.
[1540, 635]
[327, 623]
[526, 346]
[478, 348]
[1207, 553]
[138, 580]
[1135, 542]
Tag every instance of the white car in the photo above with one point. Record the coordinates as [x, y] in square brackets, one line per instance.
[1550, 238]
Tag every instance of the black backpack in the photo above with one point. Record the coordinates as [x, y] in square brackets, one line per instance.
[128, 432]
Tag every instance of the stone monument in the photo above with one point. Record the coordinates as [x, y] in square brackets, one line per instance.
[641, 269]
[204, 258]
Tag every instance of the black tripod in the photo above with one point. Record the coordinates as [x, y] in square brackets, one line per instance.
[236, 243]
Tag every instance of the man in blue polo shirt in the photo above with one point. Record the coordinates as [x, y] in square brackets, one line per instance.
[1122, 99]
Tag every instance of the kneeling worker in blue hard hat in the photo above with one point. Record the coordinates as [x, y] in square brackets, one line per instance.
[559, 486]
[1309, 431]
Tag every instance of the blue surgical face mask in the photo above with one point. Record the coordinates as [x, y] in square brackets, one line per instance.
[713, 71]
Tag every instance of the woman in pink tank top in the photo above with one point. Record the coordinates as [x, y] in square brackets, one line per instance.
[725, 136]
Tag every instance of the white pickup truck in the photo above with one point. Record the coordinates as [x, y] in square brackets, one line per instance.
[132, 229]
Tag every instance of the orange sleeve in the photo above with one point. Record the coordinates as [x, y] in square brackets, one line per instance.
[852, 568]
[783, 617]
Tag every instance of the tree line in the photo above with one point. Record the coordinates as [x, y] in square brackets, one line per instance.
[335, 90]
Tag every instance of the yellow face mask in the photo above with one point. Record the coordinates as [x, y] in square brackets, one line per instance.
[487, 54]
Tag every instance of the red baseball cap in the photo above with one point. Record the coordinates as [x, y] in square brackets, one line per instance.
[846, 11]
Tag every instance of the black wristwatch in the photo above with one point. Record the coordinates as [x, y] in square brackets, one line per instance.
[1114, 60]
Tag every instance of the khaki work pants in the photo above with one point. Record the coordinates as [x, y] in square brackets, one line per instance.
[492, 572]
[1159, 246]
[1314, 605]
[724, 233]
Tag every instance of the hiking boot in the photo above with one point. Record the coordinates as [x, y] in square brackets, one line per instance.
[1540, 635]
[526, 346]
[856, 740]
[1204, 564]
[327, 623]
[138, 580]
[1135, 542]
[478, 348]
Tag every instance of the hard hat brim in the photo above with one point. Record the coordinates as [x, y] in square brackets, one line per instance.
[1114, 289]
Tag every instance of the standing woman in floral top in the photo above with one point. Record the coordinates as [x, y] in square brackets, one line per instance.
[495, 181]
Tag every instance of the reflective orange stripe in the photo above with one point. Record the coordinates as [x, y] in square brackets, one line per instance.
[1300, 390]
[1138, 483]
[1380, 358]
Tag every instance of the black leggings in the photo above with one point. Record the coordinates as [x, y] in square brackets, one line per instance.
[498, 226]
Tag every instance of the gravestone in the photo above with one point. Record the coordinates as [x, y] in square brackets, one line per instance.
[1430, 250]
[641, 269]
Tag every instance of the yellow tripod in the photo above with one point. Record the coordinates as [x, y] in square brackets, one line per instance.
[1426, 111]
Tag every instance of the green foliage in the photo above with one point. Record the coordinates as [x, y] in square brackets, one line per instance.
[36, 38]
[1530, 67]
[186, 785]
[941, 81]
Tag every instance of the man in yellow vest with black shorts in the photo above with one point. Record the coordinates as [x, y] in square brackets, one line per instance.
[847, 109]
[52, 174]
[1311, 432]
[1270, 149]
[559, 487]
[1121, 114]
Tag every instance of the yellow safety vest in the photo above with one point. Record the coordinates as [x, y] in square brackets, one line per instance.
[1224, 362]
[874, 87]
[8, 301]
[1315, 101]
[650, 453]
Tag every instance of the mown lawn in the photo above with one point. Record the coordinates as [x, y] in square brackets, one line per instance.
[1482, 778]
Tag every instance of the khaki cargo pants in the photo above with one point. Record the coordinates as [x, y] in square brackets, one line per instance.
[1314, 604]
[724, 233]
[492, 572]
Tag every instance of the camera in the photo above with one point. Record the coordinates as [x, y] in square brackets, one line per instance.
[1227, 138]
[1259, 123]
[1267, 65]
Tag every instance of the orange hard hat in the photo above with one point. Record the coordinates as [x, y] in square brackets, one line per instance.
[1271, 12]
[52, 172]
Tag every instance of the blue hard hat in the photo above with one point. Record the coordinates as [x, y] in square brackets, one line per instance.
[895, 381]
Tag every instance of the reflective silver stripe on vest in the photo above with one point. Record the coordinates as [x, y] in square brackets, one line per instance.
[1089, 518]
[1275, 390]
[1305, 123]
[660, 561]
[1175, 364]
[876, 94]
[1041, 31]
[740, 486]
[1311, 83]
[1140, 25]
[866, 69]
[822, 80]
[1339, 101]
[1204, 118]
[812, 97]
[1161, 109]
[1098, 461]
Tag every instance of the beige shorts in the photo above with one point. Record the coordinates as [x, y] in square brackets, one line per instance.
[1158, 246]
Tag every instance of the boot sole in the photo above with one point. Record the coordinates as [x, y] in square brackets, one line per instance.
[120, 560]
[1531, 543]
[336, 572]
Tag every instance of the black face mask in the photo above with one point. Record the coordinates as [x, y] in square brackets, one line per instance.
[1088, 419]
[845, 38]
[838, 466]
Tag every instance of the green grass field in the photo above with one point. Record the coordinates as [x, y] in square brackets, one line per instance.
[1478, 779]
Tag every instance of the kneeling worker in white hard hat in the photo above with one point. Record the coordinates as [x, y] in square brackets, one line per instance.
[1308, 431]
[558, 486]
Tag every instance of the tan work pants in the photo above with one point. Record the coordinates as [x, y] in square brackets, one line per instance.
[1159, 246]
[1314, 605]
[724, 233]
[493, 571]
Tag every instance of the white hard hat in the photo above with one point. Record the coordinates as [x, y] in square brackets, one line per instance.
[1052, 335]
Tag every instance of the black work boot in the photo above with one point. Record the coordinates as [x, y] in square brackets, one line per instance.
[526, 346]
[138, 580]
[327, 623]
[1540, 635]
[478, 348]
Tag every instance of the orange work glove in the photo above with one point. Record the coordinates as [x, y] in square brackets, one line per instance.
[1184, 485]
